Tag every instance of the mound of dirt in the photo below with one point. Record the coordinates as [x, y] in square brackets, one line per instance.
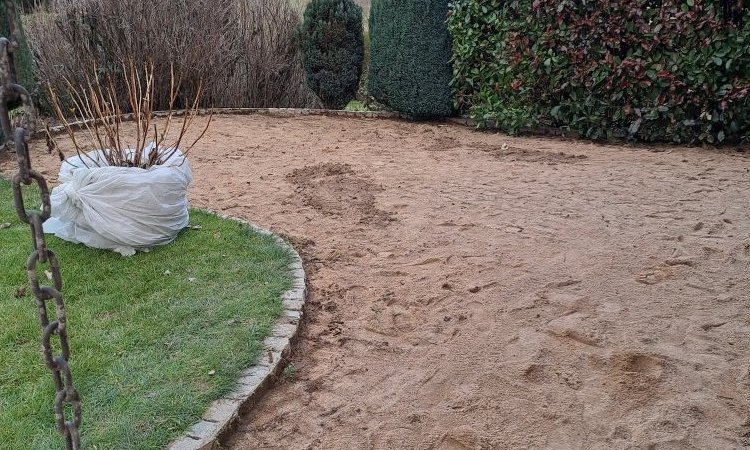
[336, 190]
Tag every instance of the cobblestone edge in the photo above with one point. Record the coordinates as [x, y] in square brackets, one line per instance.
[221, 415]
[270, 112]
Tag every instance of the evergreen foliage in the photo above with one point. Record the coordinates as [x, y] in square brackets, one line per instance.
[410, 51]
[672, 70]
[333, 50]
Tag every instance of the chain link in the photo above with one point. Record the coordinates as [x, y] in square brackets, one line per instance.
[67, 401]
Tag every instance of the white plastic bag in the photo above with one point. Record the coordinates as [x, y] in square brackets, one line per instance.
[120, 208]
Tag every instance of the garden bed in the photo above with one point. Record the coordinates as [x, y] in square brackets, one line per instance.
[474, 290]
[155, 337]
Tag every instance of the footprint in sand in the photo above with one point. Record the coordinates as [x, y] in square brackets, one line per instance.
[462, 438]
[566, 300]
[544, 374]
[578, 327]
[654, 275]
[635, 377]
[575, 324]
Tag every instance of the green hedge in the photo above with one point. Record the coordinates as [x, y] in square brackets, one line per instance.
[410, 53]
[333, 49]
[669, 70]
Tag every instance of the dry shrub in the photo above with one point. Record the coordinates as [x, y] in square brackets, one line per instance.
[98, 100]
[269, 70]
[242, 51]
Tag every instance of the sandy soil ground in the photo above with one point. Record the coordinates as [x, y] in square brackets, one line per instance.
[474, 291]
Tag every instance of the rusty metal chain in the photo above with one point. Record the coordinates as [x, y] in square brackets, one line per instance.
[67, 401]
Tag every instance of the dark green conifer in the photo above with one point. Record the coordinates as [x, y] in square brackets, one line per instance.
[410, 52]
[333, 49]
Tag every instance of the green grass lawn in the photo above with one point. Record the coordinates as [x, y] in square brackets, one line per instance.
[356, 105]
[146, 332]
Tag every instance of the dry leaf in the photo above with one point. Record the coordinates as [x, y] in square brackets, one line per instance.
[21, 292]
[4, 226]
[212, 372]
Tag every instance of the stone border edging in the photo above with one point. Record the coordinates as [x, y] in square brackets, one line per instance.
[297, 112]
[300, 112]
[271, 112]
[222, 414]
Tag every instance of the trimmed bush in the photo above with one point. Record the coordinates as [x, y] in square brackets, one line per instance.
[410, 51]
[333, 50]
[672, 70]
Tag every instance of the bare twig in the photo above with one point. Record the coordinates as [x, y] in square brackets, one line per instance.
[102, 120]
[244, 51]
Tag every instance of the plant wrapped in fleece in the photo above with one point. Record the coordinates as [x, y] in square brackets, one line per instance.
[333, 50]
[125, 189]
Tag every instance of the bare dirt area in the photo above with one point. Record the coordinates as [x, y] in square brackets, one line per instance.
[475, 291]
